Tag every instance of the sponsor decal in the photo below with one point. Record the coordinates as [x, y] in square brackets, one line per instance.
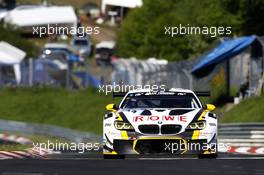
[212, 124]
[107, 124]
[140, 118]
[206, 133]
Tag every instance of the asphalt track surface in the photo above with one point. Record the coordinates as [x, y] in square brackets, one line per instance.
[135, 166]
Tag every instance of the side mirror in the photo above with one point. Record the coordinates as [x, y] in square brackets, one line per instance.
[111, 107]
[209, 107]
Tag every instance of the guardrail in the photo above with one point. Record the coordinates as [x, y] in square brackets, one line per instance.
[50, 130]
[242, 134]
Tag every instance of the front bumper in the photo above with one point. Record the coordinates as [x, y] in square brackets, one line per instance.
[168, 145]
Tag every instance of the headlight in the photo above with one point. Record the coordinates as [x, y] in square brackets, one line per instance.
[123, 126]
[197, 125]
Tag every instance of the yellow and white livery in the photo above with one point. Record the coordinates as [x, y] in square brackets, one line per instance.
[160, 122]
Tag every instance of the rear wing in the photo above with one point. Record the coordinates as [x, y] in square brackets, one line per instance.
[198, 93]
[203, 93]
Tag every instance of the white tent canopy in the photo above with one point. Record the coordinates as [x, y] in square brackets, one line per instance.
[42, 15]
[10, 55]
[121, 3]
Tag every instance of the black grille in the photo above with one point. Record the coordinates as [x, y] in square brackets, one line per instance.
[170, 129]
[149, 129]
[159, 146]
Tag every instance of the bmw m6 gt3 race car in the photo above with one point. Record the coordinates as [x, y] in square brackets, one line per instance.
[160, 122]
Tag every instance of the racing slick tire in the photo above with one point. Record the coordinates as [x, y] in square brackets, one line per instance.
[111, 156]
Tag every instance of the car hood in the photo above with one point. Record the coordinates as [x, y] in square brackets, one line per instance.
[138, 117]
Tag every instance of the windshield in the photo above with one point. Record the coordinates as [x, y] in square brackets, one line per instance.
[161, 100]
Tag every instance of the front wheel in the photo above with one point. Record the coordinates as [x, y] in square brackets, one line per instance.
[113, 156]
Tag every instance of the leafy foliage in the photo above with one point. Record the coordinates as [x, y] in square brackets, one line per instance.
[13, 37]
[142, 33]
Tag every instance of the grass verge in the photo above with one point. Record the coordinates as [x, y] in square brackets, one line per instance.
[250, 110]
[80, 110]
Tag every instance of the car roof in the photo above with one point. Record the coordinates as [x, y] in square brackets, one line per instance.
[170, 90]
[56, 45]
[59, 46]
[106, 44]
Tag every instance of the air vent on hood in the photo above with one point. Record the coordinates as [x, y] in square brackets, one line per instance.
[179, 111]
[160, 110]
[146, 112]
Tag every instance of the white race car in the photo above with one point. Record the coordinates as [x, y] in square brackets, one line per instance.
[160, 122]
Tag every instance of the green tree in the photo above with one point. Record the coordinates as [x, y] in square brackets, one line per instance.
[253, 13]
[13, 37]
[142, 33]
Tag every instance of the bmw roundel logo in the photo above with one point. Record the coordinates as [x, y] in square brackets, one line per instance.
[159, 122]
